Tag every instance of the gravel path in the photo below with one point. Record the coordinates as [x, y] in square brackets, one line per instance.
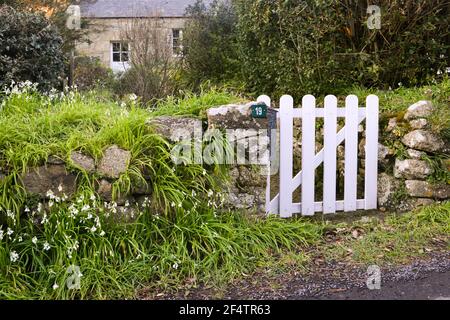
[419, 280]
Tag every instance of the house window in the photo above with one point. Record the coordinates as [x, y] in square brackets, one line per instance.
[120, 52]
[177, 38]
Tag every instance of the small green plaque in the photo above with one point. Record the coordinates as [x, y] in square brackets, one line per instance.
[259, 110]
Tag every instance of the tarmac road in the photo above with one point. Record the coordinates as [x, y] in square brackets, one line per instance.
[432, 286]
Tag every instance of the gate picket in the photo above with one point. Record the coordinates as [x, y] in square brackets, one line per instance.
[308, 154]
[371, 173]
[286, 150]
[351, 153]
[329, 161]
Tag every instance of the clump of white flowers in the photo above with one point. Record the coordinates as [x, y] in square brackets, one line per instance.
[14, 256]
[46, 246]
[20, 88]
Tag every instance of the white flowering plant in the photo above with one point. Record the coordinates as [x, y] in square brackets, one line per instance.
[173, 234]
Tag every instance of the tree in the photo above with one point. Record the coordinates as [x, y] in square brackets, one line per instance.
[152, 63]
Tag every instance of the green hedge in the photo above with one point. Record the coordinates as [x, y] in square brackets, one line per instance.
[320, 46]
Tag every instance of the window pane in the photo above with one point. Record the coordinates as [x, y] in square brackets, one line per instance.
[116, 57]
[124, 56]
[116, 46]
[124, 46]
[175, 33]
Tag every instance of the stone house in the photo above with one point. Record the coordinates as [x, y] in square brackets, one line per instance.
[107, 18]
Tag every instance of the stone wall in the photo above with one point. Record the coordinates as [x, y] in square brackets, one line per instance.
[404, 177]
[407, 182]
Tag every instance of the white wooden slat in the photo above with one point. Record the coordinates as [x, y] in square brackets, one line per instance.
[318, 206]
[330, 147]
[371, 170]
[351, 153]
[320, 112]
[266, 99]
[286, 155]
[275, 205]
[308, 154]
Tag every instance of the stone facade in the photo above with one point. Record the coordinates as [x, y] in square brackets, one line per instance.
[103, 32]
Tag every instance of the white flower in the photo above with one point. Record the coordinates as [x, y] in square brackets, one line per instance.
[44, 219]
[9, 231]
[27, 209]
[46, 246]
[50, 194]
[50, 203]
[204, 172]
[86, 207]
[93, 229]
[175, 266]
[55, 286]
[1, 234]
[102, 233]
[14, 256]
[93, 197]
[34, 240]
[60, 188]
[10, 214]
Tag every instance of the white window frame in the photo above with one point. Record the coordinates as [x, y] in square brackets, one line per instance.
[180, 44]
[119, 66]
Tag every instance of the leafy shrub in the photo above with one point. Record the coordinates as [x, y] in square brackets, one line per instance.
[149, 82]
[318, 47]
[30, 49]
[89, 74]
[210, 46]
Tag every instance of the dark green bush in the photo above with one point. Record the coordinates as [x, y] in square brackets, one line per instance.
[319, 46]
[90, 74]
[210, 44]
[30, 49]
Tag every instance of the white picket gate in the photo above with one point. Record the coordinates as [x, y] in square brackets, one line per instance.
[282, 203]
